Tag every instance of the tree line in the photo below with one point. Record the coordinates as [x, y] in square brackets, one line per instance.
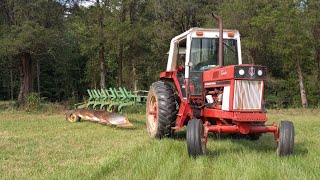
[60, 48]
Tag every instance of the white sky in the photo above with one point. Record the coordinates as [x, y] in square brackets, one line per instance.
[87, 3]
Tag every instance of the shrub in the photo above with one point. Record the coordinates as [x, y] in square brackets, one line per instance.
[33, 102]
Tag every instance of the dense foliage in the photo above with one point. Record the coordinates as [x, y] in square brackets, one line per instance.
[60, 48]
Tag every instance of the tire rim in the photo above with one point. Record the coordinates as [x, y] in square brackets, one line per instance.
[203, 141]
[72, 118]
[278, 142]
[152, 114]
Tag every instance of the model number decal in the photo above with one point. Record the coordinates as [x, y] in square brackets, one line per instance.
[216, 83]
[210, 83]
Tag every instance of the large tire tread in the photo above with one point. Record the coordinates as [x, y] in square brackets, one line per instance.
[286, 138]
[167, 111]
[194, 138]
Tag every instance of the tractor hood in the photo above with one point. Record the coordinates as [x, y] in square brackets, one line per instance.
[243, 71]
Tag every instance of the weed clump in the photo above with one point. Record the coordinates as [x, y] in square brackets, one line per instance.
[33, 102]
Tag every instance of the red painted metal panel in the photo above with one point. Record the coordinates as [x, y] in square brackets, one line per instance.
[218, 74]
[185, 111]
[241, 129]
[238, 116]
[216, 113]
[235, 116]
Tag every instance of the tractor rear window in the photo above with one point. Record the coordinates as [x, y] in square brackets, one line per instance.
[204, 53]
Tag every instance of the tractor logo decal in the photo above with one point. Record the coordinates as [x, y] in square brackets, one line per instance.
[224, 72]
[251, 71]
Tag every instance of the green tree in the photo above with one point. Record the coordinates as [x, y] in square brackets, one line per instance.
[312, 10]
[25, 28]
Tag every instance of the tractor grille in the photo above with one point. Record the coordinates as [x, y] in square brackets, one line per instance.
[247, 95]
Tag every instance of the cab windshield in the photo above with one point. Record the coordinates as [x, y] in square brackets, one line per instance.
[204, 53]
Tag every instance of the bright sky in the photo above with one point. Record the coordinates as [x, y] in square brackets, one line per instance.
[87, 3]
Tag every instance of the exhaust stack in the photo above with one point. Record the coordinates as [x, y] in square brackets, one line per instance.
[221, 51]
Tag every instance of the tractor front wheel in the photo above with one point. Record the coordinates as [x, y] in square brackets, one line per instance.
[286, 138]
[161, 110]
[195, 138]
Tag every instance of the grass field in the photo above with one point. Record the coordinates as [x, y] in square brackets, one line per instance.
[45, 146]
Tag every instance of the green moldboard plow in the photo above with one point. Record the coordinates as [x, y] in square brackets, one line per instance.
[112, 99]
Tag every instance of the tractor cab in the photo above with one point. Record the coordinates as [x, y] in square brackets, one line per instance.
[198, 50]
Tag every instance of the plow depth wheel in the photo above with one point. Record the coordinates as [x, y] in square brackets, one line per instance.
[286, 138]
[161, 110]
[73, 118]
[195, 138]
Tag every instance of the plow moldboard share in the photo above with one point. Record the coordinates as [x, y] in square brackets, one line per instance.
[102, 117]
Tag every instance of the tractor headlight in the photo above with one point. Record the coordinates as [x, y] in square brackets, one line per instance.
[247, 71]
[241, 72]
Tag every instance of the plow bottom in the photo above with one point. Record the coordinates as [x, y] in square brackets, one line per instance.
[103, 117]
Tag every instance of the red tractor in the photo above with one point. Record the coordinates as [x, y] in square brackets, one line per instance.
[206, 87]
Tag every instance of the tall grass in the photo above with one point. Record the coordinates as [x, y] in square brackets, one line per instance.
[45, 146]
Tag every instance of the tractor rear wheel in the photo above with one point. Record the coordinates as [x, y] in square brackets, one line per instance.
[161, 110]
[195, 138]
[286, 138]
